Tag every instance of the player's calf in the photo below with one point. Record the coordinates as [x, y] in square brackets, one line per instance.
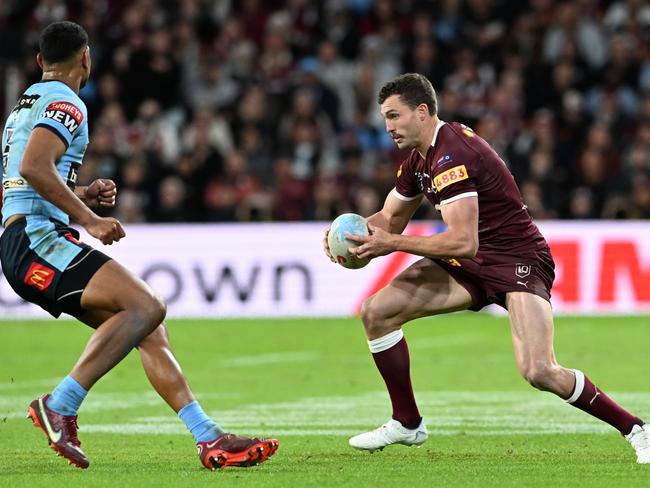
[547, 376]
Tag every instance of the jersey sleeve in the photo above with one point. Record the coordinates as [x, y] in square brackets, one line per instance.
[455, 180]
[62, 116]
[407, 187]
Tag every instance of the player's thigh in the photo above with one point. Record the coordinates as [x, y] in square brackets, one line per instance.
[423, 289]
[95, 318]
[531, 323]
[114, 288]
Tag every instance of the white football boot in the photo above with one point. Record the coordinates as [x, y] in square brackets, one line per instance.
[392, 432]
[640, 440]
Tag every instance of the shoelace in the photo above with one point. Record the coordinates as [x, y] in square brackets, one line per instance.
[641, 437]
[72, 427]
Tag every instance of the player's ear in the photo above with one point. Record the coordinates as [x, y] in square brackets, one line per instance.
[423, 111]
[85, 57]
[39, 60]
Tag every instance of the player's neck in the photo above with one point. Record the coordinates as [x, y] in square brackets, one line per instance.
[69, 78]
[427, 136]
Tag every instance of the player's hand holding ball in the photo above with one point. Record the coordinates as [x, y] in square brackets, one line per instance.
[337, 243]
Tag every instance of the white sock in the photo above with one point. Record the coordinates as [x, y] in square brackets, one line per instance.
[385, 342]
[580, 385]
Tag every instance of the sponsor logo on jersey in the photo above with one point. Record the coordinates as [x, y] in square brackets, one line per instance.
[452, 262]
[39, 276]
[54, 435]
[65, 113]
[72, 238]
[449, 177]
[522, 270]
[445, 159]
[71, 179]
[11, 183]
[468, 131]
[424, 182]
[26, 101]
[5, 152]
[399, 171]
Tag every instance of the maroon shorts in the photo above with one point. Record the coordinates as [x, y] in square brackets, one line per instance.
[489, 276]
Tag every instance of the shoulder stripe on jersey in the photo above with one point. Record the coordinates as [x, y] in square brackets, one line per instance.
[459, 197]
[403, 198]
[55, 131]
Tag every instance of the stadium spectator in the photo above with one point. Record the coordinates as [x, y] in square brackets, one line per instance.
[549, 83]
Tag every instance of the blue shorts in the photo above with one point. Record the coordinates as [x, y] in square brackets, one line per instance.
[46, 264]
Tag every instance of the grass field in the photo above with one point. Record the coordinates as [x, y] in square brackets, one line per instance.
[312, 383]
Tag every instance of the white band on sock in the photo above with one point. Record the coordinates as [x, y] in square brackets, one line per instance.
[580, 385]
[385, 342]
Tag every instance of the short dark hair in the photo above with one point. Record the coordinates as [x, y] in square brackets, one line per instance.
[59, 41]
[413, 88]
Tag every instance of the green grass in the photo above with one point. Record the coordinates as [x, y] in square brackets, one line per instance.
[312, 383]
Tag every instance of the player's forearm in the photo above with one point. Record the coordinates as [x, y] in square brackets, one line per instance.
[447, 244]
[48, 183]
[392, 224]
[80, 193]
[379, 220]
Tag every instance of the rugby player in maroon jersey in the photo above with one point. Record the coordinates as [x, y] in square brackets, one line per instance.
[491, 252]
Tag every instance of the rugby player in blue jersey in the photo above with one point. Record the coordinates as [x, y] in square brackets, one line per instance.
[43, 143]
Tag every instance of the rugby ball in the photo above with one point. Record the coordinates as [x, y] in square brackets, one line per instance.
[347, 223]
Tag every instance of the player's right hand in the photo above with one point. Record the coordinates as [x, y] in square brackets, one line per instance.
[106, 229]
[326, 246]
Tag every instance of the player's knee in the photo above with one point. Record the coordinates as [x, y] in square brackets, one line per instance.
[369, 314]
[152, 311]
[158, 310]
[375, 323]
[366, 311]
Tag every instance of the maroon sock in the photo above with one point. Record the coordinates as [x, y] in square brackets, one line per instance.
[394, 365]
[595, 402]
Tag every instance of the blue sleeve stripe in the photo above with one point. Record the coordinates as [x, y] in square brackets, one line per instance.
[55, 131]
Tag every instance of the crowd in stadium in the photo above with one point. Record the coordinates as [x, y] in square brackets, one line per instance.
[240, 110]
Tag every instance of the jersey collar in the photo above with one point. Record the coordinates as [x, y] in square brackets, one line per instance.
[435, 133]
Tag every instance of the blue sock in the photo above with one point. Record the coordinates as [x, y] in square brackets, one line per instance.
[67, 397]
[202, 427]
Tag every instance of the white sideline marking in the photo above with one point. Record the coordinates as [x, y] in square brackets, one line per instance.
[15, 406]
[446, 413]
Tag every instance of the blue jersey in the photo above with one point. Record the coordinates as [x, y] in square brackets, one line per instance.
[50, 104]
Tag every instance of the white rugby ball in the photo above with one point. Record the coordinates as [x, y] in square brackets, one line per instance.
[347, 223]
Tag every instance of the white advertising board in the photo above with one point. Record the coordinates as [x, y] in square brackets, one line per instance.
[259, 270]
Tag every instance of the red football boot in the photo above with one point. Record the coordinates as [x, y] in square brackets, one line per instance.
[232, 450]
[61, 431]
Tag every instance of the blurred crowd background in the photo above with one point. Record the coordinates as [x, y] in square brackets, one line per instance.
[254, 110]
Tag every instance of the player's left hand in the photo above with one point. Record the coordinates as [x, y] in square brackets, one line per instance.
[101, 193]
[378, 243]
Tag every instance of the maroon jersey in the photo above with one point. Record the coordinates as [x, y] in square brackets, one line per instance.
[460, 164]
